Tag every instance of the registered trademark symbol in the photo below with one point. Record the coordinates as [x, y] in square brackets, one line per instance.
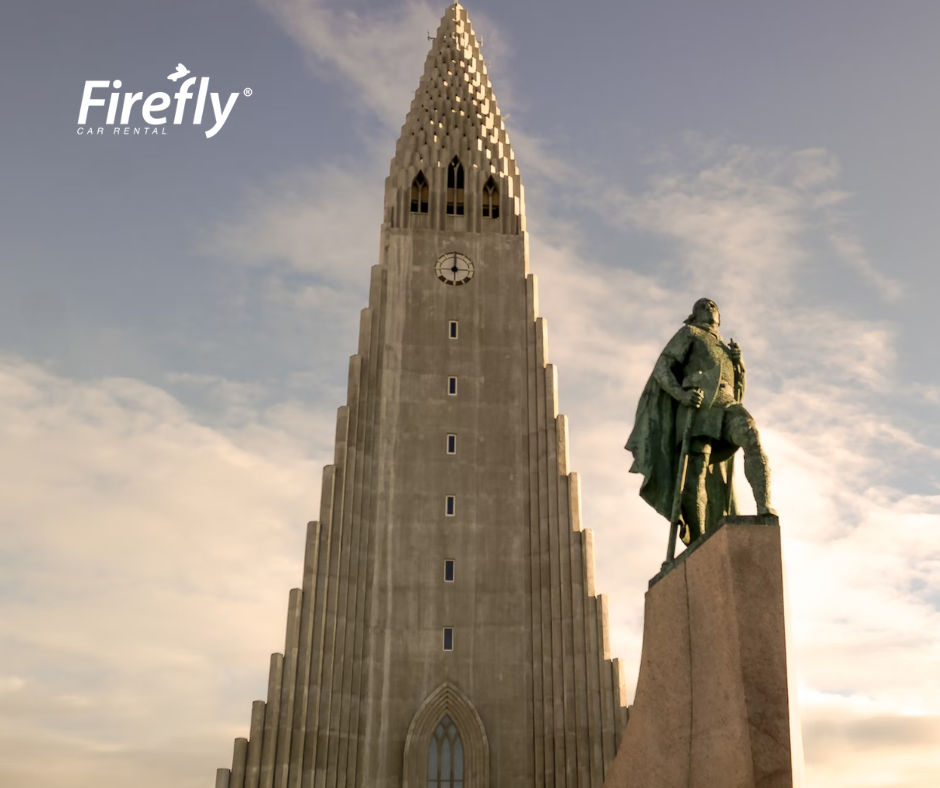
[247, 91]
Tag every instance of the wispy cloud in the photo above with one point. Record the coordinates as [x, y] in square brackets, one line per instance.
[852, 251]
[377, 54]
[745, 219]
[314, 222]
[311, 237]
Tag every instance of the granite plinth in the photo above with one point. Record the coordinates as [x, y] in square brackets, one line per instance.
[712, 705]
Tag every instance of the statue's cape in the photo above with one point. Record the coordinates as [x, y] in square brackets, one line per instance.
[656, 445]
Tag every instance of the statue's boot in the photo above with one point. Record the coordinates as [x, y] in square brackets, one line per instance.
[757, 472]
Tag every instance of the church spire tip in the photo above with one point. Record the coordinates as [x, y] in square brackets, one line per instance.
[454, 115]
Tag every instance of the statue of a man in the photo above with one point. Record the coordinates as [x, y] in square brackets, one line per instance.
[697, 371]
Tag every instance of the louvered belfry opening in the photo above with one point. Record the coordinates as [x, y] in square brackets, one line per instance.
[419, 194]
[490, 199]
[455, 188]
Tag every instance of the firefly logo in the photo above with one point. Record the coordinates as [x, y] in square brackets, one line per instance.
[181, 71]
[155, 104]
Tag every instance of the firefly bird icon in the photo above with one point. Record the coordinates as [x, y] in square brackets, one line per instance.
[181, 71]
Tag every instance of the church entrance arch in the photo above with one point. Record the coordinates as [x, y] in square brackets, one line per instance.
[446, 746]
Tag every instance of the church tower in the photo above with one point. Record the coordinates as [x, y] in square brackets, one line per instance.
[447, 632]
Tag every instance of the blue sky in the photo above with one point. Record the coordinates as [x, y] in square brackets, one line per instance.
[176, 313]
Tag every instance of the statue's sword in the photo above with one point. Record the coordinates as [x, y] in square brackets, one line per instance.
[680, 484]
[738, 383]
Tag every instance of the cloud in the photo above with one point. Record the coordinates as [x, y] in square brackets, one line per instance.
[852, 251]
[309, 239]
[740, 217]
[142, 554]
[309, 221]
[378, 55]
[868, 749]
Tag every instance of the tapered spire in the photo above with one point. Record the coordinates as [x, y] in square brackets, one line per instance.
[448, 585]
[454, 114]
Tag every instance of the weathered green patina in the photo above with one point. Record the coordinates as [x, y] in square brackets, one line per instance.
[697, 371]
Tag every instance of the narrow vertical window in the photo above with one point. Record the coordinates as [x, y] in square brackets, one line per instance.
[453, 329]
[491, 200]
[419, 194]
[451, 444]
[455, 188]
[452, 386]
[450, 505]
[448, 640]
[448, 571]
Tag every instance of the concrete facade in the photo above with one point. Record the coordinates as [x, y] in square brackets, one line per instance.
[713, 699]
[365, 679]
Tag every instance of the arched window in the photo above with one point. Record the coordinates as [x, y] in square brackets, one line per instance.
[455, 188]
[419, 194]
[467, 746]
[491, 200]
[445, 756]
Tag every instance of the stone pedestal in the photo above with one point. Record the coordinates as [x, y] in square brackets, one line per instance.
[712, 706]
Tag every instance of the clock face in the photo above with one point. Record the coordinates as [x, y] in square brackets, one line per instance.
[454, 269]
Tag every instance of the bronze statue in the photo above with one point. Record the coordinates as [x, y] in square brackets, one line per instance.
[689, 424]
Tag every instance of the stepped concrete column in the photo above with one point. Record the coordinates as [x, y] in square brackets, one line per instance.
[255, 741]
[239, 759]
[713, 697]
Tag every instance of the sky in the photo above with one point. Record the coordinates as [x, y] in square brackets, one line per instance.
[177, 311]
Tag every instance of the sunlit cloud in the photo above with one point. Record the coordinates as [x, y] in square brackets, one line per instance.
[147, 552]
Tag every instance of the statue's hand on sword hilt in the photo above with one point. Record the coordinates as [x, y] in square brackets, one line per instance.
[693, 398]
